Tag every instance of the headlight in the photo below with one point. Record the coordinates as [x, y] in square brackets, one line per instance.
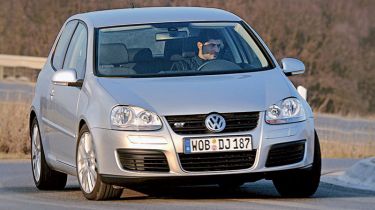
[289, 110]
[134, 119]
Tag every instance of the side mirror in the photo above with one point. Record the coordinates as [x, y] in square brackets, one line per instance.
[292, 66]
[66, 77]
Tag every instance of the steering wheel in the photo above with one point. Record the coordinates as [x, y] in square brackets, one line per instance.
[218, 65]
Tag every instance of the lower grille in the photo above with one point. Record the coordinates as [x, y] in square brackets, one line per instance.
[143, 160]
[286, 153]
[219, 161]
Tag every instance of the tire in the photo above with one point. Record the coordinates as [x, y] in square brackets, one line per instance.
[89, 180]
[44, 177]
[302, 183]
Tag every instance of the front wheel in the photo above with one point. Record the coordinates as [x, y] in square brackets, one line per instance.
[303, 183]
[89, 180]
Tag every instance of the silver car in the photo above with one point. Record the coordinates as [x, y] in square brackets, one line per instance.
[163, 96]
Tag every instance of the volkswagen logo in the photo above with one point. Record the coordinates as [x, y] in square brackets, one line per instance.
[215, 123]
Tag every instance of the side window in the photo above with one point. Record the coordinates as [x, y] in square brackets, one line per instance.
[76, 54]
[60, 50]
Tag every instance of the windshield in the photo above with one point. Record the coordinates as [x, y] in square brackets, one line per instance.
[173, 49]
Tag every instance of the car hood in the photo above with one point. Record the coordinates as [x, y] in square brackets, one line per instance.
[243, 92]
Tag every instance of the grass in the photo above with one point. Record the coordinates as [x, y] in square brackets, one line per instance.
[6, 156]
[14, 131]
[14, 137]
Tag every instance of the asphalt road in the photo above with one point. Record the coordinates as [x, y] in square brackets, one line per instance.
[17, 191]
[16, 91]
[16, 86]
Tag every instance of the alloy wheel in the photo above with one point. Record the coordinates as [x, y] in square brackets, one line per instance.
[86, 163]
[36, 152]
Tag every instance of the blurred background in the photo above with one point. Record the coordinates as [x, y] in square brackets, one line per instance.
[335, 39]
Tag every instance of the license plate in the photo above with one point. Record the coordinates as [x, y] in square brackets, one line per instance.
[217, 144]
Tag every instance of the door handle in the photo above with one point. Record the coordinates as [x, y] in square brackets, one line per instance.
[52, 92]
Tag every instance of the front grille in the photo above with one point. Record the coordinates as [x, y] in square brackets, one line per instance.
[143, 160]
[195, 124]
[218, 161]
[286, 153]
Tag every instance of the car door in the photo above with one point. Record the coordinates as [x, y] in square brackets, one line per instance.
[65, 99]
[47, 111]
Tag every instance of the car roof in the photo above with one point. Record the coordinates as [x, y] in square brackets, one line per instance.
[117, 17]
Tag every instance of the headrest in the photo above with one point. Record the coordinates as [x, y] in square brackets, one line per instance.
[189, 47]
[178, 49]
[112, 54]
[172, 47]
[139, 55]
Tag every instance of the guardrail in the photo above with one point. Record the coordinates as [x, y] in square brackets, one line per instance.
[24, 67]
[332, 127]
[22, 61]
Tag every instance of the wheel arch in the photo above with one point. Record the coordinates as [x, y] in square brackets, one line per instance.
[32, 116]
[82, 122]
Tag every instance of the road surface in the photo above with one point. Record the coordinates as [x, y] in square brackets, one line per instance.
[17, 191]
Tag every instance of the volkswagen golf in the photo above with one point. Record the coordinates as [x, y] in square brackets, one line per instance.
[166, 96]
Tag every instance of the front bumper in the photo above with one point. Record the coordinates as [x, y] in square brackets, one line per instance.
[186, 180]
[107, 142]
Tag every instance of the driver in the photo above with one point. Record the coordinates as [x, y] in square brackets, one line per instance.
[209, 46]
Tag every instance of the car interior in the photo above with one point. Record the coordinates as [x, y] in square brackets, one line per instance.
[156, 54]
